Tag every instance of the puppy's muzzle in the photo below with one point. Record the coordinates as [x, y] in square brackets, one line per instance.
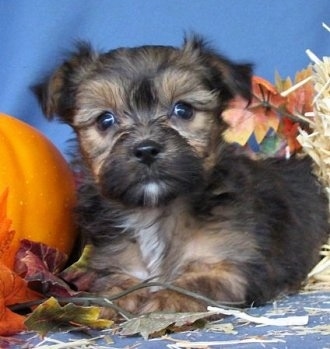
[147, 151]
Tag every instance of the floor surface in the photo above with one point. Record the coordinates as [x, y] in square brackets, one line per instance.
[230, 332]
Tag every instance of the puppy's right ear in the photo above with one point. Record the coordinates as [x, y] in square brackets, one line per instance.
[57, 94]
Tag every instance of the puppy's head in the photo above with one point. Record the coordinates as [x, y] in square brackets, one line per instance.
[147, 119]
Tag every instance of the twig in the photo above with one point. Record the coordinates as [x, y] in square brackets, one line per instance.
[281, 111]
[87, 299]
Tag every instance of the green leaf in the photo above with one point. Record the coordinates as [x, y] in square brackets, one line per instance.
[50, 316]
[155, 324]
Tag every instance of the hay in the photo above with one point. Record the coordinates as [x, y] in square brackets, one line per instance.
[316, 143]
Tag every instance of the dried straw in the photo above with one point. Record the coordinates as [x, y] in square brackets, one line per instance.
[317, 144]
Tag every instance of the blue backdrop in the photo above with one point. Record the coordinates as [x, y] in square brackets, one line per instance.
[35, 33]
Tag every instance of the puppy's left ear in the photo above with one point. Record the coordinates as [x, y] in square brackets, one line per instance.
[57, 94]
[226, 76]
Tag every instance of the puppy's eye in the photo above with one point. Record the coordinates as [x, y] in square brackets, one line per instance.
[183, 110]
[106, 120]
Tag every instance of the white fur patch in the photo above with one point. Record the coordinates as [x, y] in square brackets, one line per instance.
[149, 235]
[151, 193]
[152, 247]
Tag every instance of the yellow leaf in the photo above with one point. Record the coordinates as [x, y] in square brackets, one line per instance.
[50, 316]
[282, 84]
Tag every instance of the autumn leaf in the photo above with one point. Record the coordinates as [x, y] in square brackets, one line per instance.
[13, 290]
[79, 274]
[6, 233]
[258, 118]
[52, 258]
[156, 324]
[282, 84]
[264, 107]
[299, 100]
[50, 316]
[273, 145]
[289, 131]
[39, 265]
[240, 120]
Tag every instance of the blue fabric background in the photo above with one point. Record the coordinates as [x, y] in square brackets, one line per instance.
[35, 33]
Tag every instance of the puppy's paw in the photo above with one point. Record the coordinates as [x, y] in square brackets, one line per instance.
[130, 303]
[170, 301]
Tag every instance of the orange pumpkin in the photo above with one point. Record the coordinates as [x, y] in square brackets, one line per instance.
[40, 190]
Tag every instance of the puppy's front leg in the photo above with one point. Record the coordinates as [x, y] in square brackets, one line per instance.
[113, 285]
[221, 282]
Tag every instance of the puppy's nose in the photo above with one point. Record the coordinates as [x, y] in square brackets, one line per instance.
[147, 151]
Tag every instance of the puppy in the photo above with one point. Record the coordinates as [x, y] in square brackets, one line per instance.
[164, 197]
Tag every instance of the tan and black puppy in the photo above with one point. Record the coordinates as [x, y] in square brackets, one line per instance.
[164, 197]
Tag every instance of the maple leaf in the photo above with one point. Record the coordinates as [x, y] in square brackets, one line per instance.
[264, 106]
[299, 100]
[13, 290]
[39, 265]
[258, 118]
[282, 84]
[6, 233]
[50, 316]
[240, 120]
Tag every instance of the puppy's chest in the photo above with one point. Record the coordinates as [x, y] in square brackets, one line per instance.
[168, 244]
[152, 247]
[157, 240]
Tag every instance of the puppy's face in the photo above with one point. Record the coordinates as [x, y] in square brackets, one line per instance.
[148, 118]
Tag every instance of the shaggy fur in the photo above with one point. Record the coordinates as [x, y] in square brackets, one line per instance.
[164, 197]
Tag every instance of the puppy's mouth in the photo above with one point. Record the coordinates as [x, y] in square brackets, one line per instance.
[152, 181]
[152, 193]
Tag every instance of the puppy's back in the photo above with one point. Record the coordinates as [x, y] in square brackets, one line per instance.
[284, 206]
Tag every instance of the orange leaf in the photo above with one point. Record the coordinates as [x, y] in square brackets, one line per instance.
[264, 121]
[264, 84]
[6, 234]
[240, 122]
[13, 290]
[301, 100]
[264, 104]
[265, 95]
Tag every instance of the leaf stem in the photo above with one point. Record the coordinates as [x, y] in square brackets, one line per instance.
[281, 111]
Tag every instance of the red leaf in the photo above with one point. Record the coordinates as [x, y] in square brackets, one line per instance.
[289, 130]
[52, 258]
[38, 264]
